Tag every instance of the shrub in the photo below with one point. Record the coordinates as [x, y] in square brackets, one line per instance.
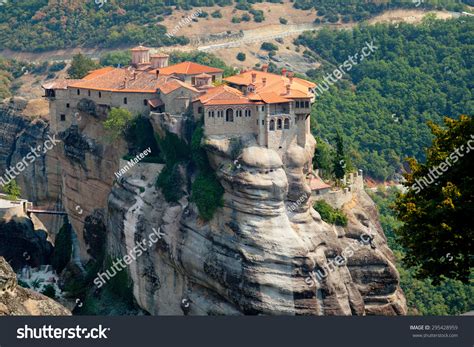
[117, 121]
[283, 21]
[241, 56]
[236, 20]
[62, 248]
[330, 214]
[170, 182]
[122, 58]
[140, 136]
[246, 17]
[12, 189]
[55, 67]
[207, 194]
[268, 46]
[216, 14]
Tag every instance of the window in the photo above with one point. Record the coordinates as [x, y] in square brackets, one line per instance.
[248, 113]
[145, 102]
[193, 80]
[213, 78]
[78, 92]
[287, 123]
[125, 101]
[89, 93]
[100, 94]
[279, 124]
[272, 125]
[306, 104]
[263, 122]
[63, 117]
[263, 108]
[229, 115]
[297, 104]
[67, 105]
[199, 109]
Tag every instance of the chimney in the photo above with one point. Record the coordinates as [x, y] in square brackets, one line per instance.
[264, 81]
[283, 72]
[159, 60]
[290, 76]
[254, 77]
[288, 89]
[265, 67]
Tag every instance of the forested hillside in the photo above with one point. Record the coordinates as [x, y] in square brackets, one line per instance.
[40, 25]
[415, 74]
[449, 297]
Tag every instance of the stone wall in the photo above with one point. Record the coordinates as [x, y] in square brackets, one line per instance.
[352, 184]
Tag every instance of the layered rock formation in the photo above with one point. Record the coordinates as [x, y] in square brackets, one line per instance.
[257, 254]
[16, 301]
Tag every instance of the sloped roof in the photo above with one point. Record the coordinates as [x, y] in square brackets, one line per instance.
[274, 83]
[317, 183]
[223, 95]
[59, 84]
[187, 68]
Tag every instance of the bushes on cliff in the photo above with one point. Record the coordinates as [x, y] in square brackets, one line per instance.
[170, 180]
[12, 189]
[117, 121]
[62, 248]
[329, 214]
[206, 190]
[207, 194]
[140, 136]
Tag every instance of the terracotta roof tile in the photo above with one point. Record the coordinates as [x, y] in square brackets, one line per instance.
[273, 83]
[187, 68]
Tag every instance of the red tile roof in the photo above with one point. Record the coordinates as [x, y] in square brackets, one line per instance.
[187, 68]
[274, 83]
[317, 183]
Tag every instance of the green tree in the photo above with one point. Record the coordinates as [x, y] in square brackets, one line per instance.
[241, 56]
[117, 121]
[80, 66]
[116, 58]
[438, 209]
[340, 160]
[12, 189]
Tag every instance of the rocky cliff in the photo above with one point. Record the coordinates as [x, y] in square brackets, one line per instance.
[262, 253]
[259, 252]
[16, 301]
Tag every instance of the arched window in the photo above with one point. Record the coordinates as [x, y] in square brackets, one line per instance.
[287, 123]
[272, 125]
[229, 115]
[279, 124]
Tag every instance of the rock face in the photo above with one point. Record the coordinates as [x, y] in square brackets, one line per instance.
[21, 242]
[266, 251]
[15, 300]
[40, 180]
[260, 252]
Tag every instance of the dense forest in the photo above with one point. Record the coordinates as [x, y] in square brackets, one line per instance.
[381, 105]
[40, 25]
